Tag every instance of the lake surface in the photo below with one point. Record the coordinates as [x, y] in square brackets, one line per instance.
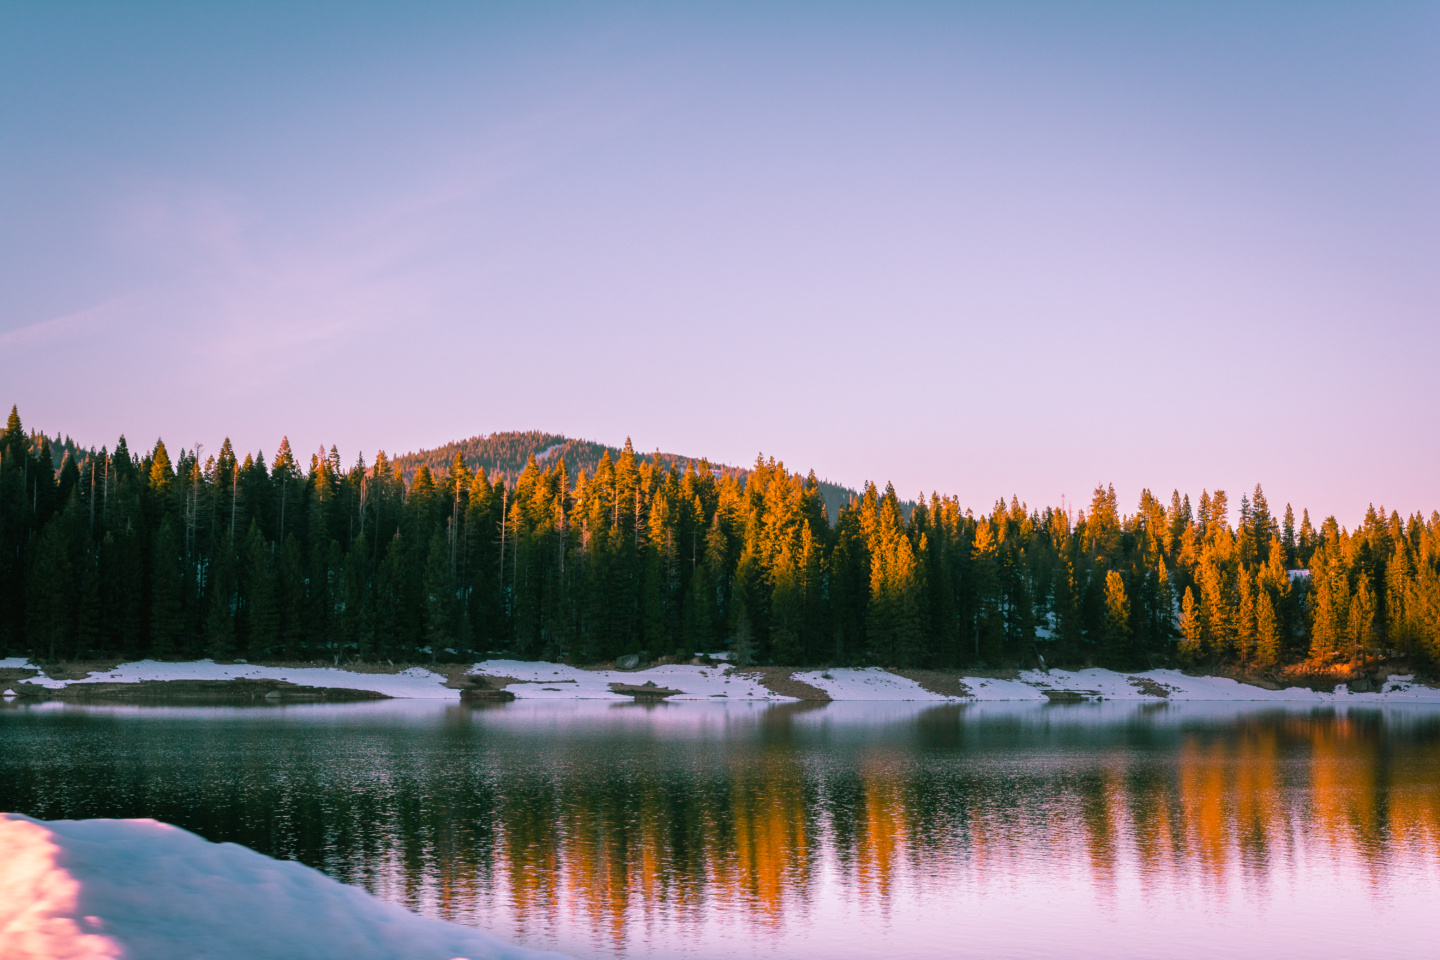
[804, 830]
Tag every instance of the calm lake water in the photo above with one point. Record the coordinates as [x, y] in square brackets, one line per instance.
[804, 830]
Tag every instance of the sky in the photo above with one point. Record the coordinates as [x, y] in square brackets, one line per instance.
[985, 249]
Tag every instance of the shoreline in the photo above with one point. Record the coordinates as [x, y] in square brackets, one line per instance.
[503, 680]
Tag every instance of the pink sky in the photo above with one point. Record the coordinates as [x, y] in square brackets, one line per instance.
[1009, 249]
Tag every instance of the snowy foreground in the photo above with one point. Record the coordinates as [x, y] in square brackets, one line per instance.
[718, 684]
[140, 889]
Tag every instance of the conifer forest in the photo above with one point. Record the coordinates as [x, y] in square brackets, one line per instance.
[114, 553]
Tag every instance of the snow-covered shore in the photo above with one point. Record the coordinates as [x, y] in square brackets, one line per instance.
[1148, 685]
[110, 889]
[719, 684]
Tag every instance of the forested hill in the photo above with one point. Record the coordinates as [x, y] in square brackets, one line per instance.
[504, 455]
[121, 554]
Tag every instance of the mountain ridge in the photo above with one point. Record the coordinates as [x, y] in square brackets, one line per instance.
[504, 455]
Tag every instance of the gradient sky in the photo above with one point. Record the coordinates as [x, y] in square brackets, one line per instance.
[986, 249]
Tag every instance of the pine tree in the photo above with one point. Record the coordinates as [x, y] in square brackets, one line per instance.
[262, 605]
[1192, 628]
[1329, 607]
[439, 593]
[1245, 618]
[742, 637]
[1288, 537]
[1306, 546]
[167, 615]
[1267, 632]
[89, 623]
[52, 593]
[1361, 621]
[161, 475]
[989, 627]
[292, 598]
[1115, 632]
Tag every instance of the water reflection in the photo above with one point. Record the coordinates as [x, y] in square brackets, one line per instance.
[848, 829]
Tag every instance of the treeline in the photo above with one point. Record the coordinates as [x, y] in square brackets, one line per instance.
[119, 554]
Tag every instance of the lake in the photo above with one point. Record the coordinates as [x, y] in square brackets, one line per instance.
[801, 829]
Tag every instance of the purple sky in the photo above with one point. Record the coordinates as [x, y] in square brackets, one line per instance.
[990, 249]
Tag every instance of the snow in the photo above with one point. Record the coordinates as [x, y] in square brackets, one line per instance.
[556, 681]
[417, 682]
[1113, 685]
[871, 683]
[992, 688]
[15, 663]
[109, 889]
[1030, 685]
[722, 683]
[542, 680]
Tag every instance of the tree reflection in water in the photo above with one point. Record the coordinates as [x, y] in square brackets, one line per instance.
[673, 828]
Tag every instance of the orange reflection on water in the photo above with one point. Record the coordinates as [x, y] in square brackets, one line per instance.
[881, 839]
[752, 832]
[769, 857]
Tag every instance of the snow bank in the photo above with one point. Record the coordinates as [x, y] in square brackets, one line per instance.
[539, 681]
[1151, 685]
[991, 688]
[1146, 685]
[415, 683]
[556, 681]
[111, 889]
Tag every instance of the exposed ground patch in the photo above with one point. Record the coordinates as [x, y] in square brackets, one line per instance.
[782, 680]
[240, 690]
[76, 669]
[936, 681]
[1150, 687]
[7, 674]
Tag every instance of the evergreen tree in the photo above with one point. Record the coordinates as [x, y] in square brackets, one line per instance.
[439, 594]
[167, 615]
[220, 617]
[1115, 633]
[52, 593]
[1192, 628]
[742, 637]
[1361, 621]
[1267, 632]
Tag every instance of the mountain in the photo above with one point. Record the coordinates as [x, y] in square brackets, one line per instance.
[505, 455]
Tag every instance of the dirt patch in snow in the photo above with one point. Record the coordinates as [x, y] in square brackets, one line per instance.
[16, 673]
[999, 673]
[936, 681]
[484, 681]
[1150, 686]
[77, 669]
[782, 680]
